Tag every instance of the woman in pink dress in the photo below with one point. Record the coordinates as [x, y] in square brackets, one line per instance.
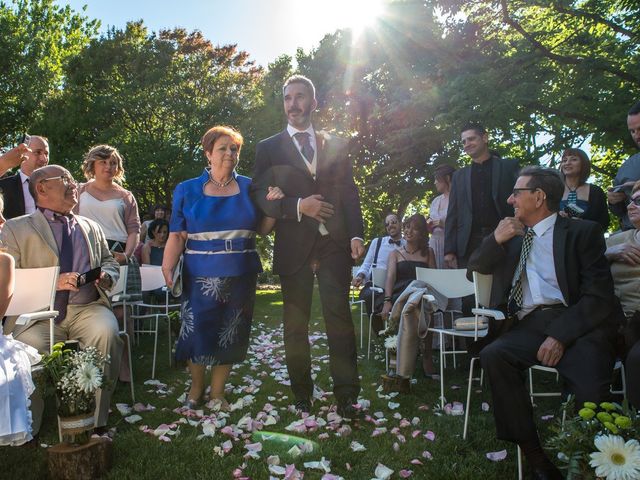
[438, 211]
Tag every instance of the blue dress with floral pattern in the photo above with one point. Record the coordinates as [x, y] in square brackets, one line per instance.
[219, 272]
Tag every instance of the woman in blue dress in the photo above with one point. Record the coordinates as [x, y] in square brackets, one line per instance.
[214, 223]
[590, 200]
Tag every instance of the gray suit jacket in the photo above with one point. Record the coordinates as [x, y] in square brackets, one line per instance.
[460, 211]
[29, 240]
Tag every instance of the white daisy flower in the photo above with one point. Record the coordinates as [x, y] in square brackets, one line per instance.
[390, 343]
[616, 460]
[89, 377]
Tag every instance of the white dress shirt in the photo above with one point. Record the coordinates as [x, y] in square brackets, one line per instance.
[540, 284]
[29, 203]
[383, 255]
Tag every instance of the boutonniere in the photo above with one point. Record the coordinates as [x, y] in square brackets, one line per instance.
[322, 136]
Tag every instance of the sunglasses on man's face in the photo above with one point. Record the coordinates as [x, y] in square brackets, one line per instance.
[635, 201]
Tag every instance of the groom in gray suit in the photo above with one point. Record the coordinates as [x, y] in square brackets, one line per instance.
[51, 236]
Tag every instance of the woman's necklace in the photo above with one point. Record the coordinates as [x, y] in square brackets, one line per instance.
[218, 184]
[408, 252]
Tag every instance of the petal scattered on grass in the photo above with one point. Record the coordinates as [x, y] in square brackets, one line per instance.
[497, 456]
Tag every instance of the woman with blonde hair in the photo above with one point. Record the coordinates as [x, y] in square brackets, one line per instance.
[104, 200]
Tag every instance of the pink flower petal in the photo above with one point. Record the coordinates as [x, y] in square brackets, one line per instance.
[430, 435]
[497, 456]
[405, 473]
[415, 461]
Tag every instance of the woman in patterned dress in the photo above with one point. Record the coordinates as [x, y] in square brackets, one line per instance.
[214, 223]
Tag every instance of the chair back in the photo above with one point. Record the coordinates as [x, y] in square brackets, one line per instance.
[451, 283]
[121, 284]
[483, 283]
[35, 290]
[151, 277]
[378, 276]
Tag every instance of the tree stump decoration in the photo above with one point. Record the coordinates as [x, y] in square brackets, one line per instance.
[76, 462]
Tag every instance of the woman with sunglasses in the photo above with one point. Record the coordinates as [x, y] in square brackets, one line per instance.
[623, 251]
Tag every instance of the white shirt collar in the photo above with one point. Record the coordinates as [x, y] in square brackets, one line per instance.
[292, 131]
[23, 177]
[545, 224]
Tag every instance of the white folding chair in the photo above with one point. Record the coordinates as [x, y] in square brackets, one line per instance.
[119, 298]
[354, 300]
[152, 279]
[33, 297]
[378, 277]
[454, 284]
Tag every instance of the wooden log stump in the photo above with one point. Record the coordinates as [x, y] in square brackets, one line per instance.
[75, 462]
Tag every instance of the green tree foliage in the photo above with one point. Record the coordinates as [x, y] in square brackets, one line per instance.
[152, 96]
[37, 39]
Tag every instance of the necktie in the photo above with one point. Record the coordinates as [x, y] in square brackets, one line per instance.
[305, 145]
[66, 265]
[515, 297]
[395, 242]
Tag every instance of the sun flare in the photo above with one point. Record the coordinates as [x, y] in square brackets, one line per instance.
[353, 14]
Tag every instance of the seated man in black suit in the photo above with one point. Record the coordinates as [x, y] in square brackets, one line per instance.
[15, 188]
[552, 274]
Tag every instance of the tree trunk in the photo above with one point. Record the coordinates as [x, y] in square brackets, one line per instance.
[92, 460]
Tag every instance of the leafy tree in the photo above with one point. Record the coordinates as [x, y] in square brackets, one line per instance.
[37, 39]
[152, 96]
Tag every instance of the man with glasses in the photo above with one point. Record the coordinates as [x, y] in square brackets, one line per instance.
[377, 256]
[53, 235]
[478, 197]
[552, 278]
[628, 174]
[15, 188]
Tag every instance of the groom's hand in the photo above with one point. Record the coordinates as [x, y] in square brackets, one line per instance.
[357, 248]
[314, 207]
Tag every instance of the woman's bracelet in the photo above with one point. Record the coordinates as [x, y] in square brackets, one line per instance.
[387, 299]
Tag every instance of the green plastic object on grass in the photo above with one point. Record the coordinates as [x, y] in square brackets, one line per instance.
[303, 445]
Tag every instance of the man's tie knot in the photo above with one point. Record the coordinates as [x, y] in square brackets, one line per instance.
[303, 139]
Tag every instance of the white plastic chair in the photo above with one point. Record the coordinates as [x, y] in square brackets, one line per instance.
[33, 297]
[354, 300]
[119, 297]
[454, 284]
[378, 277]
[151, 279]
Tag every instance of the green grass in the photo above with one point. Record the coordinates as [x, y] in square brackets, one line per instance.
[141, 456]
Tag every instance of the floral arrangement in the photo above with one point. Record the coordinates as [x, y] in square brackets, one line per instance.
[600, 442]
[391, 343]
[76, 375]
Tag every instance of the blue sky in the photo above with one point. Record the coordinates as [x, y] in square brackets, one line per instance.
[264, 28]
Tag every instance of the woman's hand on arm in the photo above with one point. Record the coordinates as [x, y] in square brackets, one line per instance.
[172, 251]
[267, 223]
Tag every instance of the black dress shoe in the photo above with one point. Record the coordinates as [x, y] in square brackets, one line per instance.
[303, 406]
[548, 473]
[347, 411]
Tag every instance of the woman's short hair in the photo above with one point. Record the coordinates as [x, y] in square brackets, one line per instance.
[585, 163]
[444, 173]
[155, 225]
[418, 222]
[214, 133]
[102, 152]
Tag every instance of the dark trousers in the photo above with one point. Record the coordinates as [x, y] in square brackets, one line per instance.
[586, 368]
[334, 276]
[632, 370]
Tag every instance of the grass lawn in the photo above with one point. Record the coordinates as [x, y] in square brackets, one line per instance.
[399, 437]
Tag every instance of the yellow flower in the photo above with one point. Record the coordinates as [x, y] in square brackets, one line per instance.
[590, 405]
[586, 413]
[608, 406]
[58, 346]
[611, 427]
[604, 417]
[623, 422]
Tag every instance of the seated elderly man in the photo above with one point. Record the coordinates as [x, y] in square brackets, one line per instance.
[52, 235]
[552, 275]
[623, 251]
